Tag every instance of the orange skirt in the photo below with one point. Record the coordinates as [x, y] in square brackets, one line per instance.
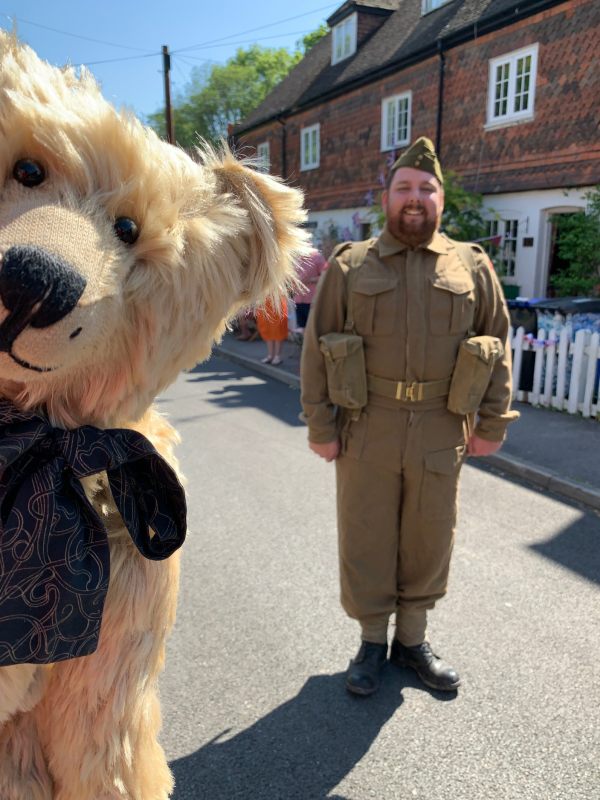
[273, 327]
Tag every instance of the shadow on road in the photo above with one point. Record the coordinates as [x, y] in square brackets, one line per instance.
[302, 749]
[269, 396]
[576, 547]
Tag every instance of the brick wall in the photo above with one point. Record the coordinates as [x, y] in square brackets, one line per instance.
[558, 148]
[351, 161]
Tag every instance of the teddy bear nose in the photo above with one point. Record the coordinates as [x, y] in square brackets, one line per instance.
[37, 288]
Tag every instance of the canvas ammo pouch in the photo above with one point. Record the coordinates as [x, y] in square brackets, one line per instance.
[343, 352]
[345, 365]
[472, 372]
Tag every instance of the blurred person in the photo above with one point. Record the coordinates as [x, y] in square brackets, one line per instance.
[309, 271]
[272, 326]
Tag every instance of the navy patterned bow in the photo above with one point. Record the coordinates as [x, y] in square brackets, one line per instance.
[54, 556]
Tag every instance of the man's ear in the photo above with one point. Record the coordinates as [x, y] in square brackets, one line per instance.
[273, 238]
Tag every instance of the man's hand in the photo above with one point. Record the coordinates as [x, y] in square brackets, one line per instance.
[329, 451]
[482, 447]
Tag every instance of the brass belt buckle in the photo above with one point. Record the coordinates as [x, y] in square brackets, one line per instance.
[412, 392]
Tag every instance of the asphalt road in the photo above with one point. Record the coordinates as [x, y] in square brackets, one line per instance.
[253, 698]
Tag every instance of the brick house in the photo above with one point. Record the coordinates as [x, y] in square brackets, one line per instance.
[509, 90]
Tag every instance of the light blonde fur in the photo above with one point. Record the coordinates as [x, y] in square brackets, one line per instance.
[215, 235]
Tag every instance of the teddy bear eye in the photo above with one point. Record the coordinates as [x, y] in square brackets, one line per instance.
[126, 229]
[29, 173]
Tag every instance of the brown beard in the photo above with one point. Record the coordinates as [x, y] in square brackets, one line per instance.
[412, 238]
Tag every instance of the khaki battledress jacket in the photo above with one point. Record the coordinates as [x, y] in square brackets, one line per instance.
[398, 471]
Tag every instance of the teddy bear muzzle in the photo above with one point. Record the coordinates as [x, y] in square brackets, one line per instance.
[38, 289]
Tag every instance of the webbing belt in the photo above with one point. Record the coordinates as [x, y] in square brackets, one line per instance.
[408, 392]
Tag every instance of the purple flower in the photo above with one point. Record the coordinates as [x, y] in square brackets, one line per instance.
[369, 198]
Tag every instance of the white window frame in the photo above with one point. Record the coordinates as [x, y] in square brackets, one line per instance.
[506, 252]
[427, 6]
[310, 147]
[510, 96]
[263, 154]
[396, 101]
[343, 39]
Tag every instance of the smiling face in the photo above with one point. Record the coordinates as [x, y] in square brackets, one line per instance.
[413, 205]
[121, 258]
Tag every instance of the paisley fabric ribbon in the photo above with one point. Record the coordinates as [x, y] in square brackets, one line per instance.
[54, 555]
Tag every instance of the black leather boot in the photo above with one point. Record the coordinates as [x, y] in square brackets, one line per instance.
[434, 672]
[364, 673]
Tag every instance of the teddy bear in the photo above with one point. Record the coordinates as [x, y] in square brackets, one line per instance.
[122, 258]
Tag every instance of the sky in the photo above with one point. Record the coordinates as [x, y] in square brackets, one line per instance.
[97, 32]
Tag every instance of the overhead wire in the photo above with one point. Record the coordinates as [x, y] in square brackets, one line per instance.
[75, 35]
[226, 40]
[247, 41]
[113, 60]
[252, 30]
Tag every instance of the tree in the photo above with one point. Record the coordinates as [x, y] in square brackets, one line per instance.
[579, 246]
[310, 40]
[220, 95]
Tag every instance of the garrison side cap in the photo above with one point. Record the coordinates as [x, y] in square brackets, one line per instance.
[421, 155]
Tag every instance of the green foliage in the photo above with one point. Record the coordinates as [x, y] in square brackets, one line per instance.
[222, 94]
[311, 39]
[463, 216]
[579, 246]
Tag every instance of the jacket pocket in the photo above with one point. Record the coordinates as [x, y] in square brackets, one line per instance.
[439, 487]
[375, 305]
[451, 303]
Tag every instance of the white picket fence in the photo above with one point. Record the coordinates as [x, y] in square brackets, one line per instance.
[565, 373]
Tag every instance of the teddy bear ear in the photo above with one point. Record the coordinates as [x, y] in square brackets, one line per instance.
[274, 213]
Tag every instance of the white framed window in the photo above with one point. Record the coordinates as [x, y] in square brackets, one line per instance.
[343, 39]
[431, 5]
[264, 156]
[504, 252]
[310, 147]
[511, 88]
[395, 120]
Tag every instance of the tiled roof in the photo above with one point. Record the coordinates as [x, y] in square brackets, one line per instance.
[404, 36]
[386, 5]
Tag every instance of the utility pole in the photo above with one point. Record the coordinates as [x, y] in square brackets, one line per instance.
[168, 109]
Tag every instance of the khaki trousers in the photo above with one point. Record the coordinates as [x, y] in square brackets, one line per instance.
[397, 481]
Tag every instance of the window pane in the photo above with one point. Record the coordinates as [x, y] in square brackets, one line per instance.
[391, 123]
[402, 120]
[509, 251]
[501, 89]
[523, 72]
[347, 38]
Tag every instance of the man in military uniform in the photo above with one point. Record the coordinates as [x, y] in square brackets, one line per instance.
[416, 295]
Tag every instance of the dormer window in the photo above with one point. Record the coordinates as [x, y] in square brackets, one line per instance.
[343, 40]
[431, 5]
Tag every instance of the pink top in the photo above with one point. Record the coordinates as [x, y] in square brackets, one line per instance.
[308, 270]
